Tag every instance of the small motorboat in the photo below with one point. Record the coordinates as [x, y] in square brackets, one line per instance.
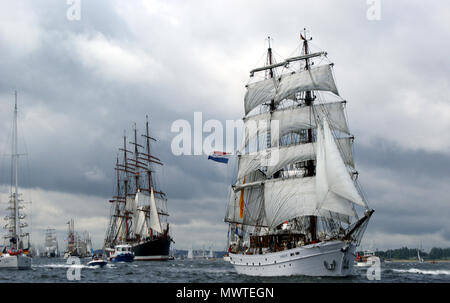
[363, 260]
[97, 261]
[122, 253]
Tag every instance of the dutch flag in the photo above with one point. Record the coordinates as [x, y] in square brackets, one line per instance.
[218, 156]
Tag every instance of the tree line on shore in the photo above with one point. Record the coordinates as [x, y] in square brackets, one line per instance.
[411, 253]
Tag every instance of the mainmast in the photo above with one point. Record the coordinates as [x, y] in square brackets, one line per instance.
[15, 195]
[309, 101]
[147, 141]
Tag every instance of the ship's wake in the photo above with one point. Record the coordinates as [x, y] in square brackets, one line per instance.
[423, 272]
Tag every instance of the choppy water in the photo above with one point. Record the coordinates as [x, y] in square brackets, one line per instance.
[191, 271]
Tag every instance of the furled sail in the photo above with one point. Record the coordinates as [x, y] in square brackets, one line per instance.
[295, 119]
[154, 217]
[317, 78]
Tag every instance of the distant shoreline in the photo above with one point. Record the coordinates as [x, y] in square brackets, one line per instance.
[415, 261]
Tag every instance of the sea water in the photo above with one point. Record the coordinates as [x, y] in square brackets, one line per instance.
[48, 270]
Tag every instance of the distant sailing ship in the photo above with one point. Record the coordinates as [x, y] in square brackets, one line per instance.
[51, 244]
[77, 246]
[190, 254]
[17, 247]
[297, 215]
[419, 257]
[139, 210]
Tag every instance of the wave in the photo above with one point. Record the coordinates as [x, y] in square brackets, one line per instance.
[423, 272]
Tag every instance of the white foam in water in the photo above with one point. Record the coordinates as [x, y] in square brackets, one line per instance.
[423, 272]
[61, 265]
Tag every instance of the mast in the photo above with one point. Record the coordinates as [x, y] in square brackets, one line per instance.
[125, 187]
[270, 63]
[136, 175]
[147, 141]
[15, 156]
[309, 101]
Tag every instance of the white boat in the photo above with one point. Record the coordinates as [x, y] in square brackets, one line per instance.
[190, 254]
[122, 253]
[97, 261]
[226, 258]
[17, 255]
[18, 261]
[295, 206]
[363, 260]
[419, 257]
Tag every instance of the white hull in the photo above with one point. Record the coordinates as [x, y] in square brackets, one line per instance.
[17, 261]
[362, 264]
[226, 258]
[333, 258]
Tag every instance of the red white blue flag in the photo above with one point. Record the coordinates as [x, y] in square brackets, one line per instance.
[218, 156]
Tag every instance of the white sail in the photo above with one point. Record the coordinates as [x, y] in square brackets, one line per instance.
[130, 204]
[332, 172]
[232, 213]
[259, 93]
[145, 230]
[138, 221]
[295, 119]
[275, 158]
[252, 200]
[285, 199]
[278, 157]
[154, 217]
[118, 227]
[141, 199]
[318, 78]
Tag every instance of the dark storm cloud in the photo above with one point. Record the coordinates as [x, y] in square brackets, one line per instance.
[82, 83]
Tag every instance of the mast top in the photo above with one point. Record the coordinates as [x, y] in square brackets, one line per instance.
[303, 35]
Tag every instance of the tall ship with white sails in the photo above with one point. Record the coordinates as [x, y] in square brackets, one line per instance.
[51, 243]
[295, 207]
[139, 209]
[16, 251]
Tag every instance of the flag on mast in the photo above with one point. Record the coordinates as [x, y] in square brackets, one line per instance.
[219, 156]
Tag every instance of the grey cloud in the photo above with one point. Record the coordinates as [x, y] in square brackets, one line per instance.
[79, 89]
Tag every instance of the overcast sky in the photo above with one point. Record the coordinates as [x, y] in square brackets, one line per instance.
[82, 83]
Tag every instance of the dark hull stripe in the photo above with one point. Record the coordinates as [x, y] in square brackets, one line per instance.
[153, 250]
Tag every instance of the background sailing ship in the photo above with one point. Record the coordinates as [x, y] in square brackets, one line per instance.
[16, 252]
[51, 244]
[139, 209]
[297, 214]
[77, 245]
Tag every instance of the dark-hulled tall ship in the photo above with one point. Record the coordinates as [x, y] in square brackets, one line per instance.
[139, 209]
